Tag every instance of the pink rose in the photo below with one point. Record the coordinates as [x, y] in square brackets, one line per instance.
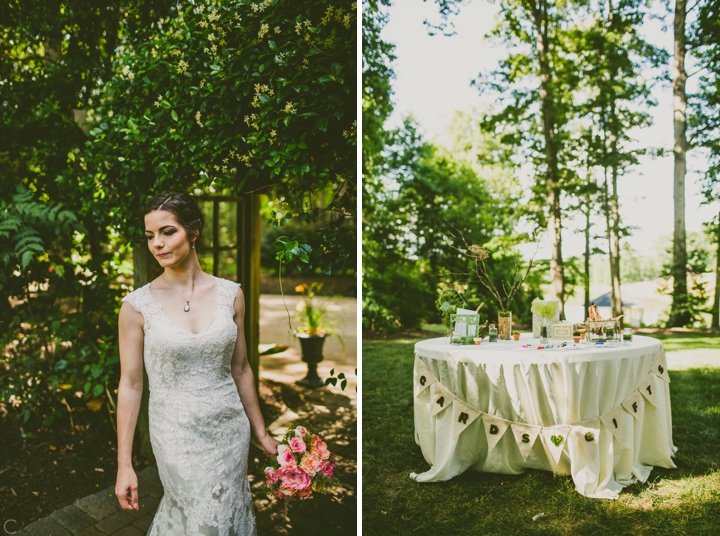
[285, 457]
[271, 475]
[311, 464]
[319, 448]
[294, 478]
[327, 468]
[301, 431]
[297, 444]
[304, 494]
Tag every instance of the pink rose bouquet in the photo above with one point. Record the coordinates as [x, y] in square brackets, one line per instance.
[303, 465]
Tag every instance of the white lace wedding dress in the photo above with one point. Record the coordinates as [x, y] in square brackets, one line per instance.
[199, 432]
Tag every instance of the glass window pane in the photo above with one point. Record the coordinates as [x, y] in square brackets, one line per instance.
[228, 224]
[206, 207]
[228, 264]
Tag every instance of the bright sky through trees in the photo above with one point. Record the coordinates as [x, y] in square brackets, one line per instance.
[433, 75]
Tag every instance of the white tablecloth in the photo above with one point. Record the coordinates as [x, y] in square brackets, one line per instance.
[601, 415]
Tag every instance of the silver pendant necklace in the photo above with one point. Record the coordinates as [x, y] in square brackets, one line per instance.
[187, 302]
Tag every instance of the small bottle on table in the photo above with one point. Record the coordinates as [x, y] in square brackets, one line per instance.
[492, 333]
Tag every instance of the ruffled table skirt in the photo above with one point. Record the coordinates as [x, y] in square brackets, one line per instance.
[600, 415]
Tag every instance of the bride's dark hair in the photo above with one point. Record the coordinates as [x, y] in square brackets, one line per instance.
[182, 207]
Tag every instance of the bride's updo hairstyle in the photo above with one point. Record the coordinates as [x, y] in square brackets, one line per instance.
[182, 207]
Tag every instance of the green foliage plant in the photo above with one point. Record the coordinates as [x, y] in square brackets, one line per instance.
[236, 96]
[312, 316]
[447, 305]
[59, 354]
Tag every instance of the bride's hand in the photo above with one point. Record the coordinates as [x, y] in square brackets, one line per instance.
[126, 488]
[269, 444]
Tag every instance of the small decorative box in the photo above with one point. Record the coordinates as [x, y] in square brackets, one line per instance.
[603, 331]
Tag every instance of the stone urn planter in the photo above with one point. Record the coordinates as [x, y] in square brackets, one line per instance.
[312, 353]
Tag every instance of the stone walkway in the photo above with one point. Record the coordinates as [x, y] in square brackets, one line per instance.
[100, 514]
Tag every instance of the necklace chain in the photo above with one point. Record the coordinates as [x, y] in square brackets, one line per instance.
[187, 302]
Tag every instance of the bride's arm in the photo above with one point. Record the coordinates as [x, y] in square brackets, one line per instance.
[130, 341]
[245, 381]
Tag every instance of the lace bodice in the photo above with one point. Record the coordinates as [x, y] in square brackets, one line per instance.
[198, 428]
[199, 361]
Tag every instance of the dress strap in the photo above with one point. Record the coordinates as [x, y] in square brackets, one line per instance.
[226, 292]
[143, 302]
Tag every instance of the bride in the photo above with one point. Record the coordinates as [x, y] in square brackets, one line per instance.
[186, 329]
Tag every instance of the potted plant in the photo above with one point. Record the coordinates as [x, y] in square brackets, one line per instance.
[576, 337]
[516, 335]
[312, 332]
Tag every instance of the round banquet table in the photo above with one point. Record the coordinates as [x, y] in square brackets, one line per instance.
[599, 414]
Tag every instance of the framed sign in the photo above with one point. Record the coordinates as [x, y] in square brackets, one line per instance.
[561, 331]
[466, 326]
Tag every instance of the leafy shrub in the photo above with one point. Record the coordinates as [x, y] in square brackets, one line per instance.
[397, 299]
[55, 340]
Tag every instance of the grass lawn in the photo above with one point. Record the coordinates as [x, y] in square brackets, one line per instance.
[685, 500]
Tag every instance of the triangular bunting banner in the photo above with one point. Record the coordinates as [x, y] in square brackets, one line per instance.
[660, 369]
[648, 390]
[588, 434]
[555, 438]
[424, 378]
[463, 416]
[634, 405]
[525, 436]
[441, 399]
[494, 429]
[613, 422]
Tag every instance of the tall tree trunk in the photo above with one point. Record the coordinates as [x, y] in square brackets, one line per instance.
[588, 230]
[608, 228]
[610, 166]
[679, 315]
[539, 9]
[614, 208]
[716, 302]
[615, 230]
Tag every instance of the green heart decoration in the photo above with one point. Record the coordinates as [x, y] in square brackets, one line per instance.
[589, 436]
[556, 439]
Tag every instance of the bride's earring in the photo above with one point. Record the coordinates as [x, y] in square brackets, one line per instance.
[192, 246]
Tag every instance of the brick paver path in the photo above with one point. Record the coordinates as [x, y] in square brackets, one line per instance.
[100, 514]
